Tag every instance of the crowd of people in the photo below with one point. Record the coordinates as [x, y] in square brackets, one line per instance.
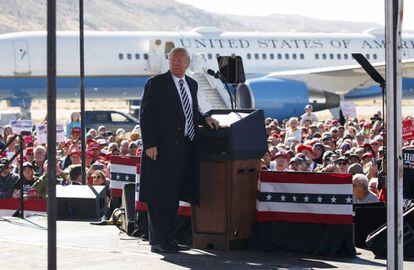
[353, 146]
[101, 144]
[301, 145]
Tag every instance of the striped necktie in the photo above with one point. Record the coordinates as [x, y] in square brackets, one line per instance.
[187, 110]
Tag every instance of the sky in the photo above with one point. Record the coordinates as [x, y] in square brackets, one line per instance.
[348, 10]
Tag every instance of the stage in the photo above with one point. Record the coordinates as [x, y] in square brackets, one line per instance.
[83, 246]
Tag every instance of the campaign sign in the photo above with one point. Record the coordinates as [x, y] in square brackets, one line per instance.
[21, 125]
[408, 129]
[348, 109]
[408, 173]
[42, 134]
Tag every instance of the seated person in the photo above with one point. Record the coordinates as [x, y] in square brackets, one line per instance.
[74, 175]
[9, 182]
[360, 190]
[28, 177]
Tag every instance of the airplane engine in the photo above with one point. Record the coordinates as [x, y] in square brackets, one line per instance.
[281, 98]
[277, 98]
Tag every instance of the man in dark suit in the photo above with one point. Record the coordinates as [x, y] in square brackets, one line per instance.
[170, 115]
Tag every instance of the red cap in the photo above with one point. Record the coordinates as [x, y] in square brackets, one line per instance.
[282, 154]
[304, 147]
[275, 135]
[76, 130]
[368, 154]
[29, 150]
[75, 151]
[93, 146]
[367, 125]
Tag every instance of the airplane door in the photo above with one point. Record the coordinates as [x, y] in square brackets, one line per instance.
[21, 57]
[157, 59]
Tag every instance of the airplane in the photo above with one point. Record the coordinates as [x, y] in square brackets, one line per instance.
[284, 71]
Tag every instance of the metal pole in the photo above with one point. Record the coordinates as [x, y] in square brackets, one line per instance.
[21, 176]
[51, 134]
[393, 22]
[82, 89]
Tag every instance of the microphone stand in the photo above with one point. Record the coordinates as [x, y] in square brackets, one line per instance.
[223, 80]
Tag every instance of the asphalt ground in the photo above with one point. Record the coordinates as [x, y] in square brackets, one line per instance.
[23, 245]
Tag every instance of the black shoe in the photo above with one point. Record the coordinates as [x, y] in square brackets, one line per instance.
[175, 245]
[161, 249]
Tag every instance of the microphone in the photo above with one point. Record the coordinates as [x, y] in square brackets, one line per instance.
[218, 75]
[212, 73]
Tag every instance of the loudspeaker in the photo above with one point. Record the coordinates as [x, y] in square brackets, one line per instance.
[128, 203]
[76, 202]
[368, 217]
[377, 240]
[232, 69]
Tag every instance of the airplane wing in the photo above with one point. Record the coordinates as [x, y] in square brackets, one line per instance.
[340, 79]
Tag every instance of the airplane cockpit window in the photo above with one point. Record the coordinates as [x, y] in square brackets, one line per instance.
[375, 56]
[145, 56]
[316, 56]
[120, 56]
[331, 56]
[367, 56]
[129, 56]
[137, 56]
[249, 56]
[302, 56]
[264, 56]
[256, 56]
[287, 56]
[338, 56]
[324, 56]
[294, 56]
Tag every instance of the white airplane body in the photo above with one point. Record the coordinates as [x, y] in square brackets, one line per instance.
[117, 64]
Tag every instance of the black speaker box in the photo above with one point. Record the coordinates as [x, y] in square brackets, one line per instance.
[368, 217]
[76, 202]
[128, 203]
[377, 240]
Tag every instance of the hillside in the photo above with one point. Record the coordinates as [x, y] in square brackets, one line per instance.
[26, 15]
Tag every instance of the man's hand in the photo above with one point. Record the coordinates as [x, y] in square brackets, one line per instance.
[212, 123]
[152, 153]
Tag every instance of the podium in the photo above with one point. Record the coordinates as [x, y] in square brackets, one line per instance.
[229, 172]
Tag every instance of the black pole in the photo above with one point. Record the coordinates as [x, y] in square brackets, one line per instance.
[51, 134]
[82, 89]
[21, 176]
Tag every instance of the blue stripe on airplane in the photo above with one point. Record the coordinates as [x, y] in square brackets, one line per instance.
[374, 91]
[125, 87]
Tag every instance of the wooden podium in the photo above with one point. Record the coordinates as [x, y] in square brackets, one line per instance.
[230, 164]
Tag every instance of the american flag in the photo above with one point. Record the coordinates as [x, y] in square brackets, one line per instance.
[31, 206]
[123, 170]
[305, 197]
[184, 208]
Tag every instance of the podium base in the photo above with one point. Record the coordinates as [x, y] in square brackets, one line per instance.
[218, 242]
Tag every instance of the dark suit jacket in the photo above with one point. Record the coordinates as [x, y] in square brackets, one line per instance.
[162, 125]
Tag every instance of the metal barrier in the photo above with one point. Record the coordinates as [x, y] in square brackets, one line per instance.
[20, 152]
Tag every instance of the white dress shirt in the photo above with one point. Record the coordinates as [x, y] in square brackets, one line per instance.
[203, 105]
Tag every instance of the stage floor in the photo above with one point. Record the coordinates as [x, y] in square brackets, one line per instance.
[23, 245]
